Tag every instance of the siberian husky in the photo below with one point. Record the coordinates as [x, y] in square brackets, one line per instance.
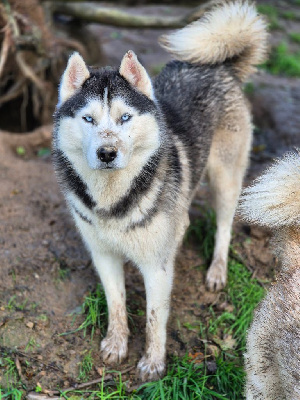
[130, 152]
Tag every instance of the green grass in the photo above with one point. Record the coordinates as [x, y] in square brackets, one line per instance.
[271, 13]
[11, 394]
[95, 310]
[11, 387]
[85, 367]
[184, 380]
[244, 293]
[249, 88]
[289, 15]
[295, 37]
[14, 305]
[229, 378]
[95, 313]
[283, 62]
[203, 230]
[31, 345]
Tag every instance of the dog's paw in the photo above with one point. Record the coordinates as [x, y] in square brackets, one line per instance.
[150, 370]
[114, 349]
[216, 275]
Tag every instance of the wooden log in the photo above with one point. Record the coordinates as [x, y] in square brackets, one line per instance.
[119, 18]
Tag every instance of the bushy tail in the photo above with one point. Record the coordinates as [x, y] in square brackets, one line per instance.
[274, 198]
[231, 31]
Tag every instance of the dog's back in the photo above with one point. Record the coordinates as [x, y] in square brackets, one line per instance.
[201, 91]
[193, 100]
[273, 345]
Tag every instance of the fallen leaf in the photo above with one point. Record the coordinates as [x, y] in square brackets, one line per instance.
[197, 357]
[226, 344]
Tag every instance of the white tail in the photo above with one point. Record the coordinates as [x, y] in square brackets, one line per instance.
[232, 30]
[274, 198]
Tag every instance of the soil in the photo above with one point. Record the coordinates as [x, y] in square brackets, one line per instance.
[46, 271]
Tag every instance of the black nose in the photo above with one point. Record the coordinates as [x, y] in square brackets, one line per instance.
[107, 154]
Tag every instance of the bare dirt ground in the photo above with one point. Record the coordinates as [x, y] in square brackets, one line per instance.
[46, 271]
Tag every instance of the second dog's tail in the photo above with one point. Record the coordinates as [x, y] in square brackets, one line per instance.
[274, 198]
[232, 31]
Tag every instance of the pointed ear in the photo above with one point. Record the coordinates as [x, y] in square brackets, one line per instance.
[75, 74]
[136, 74]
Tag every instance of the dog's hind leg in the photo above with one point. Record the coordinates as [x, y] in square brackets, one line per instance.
[226, 166]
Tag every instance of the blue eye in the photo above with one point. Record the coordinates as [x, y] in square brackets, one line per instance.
[125, 117]
[88, 118]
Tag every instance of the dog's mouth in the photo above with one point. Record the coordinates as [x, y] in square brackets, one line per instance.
[105, 167]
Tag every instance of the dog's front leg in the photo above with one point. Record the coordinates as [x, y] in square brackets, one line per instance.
[158, 284]
[114, 346]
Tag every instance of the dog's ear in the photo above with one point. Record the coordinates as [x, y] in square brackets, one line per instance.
[136, 74]
[75, 74]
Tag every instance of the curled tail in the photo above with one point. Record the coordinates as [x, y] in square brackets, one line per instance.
[230, 31]
[274, 198]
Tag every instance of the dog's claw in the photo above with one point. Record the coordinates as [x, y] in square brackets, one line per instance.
[114, 349]
[216, 276]
[150, 370]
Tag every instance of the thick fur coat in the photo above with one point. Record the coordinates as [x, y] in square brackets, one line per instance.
[273, 344]
[129, 154]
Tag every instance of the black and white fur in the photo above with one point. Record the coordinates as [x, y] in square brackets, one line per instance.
[130, 153]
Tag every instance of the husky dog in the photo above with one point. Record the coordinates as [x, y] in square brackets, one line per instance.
[273, 344]
[129, 154]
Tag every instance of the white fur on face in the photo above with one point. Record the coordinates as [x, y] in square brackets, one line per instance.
[138, 137]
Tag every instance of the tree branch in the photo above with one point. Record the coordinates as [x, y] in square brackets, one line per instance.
[112, 16]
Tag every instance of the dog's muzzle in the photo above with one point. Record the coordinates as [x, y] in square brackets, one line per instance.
[107, 154]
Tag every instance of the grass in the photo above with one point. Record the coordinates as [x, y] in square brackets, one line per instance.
[14, 305]
[184, 380]
[63, 271]
[10, 385]
[283, 62]
[203, 230]
[244, 293]
[249, 88]
[95, 312]
[31, 345]
[271, 13]
[85, 367]
[289, 15]
[295, 37]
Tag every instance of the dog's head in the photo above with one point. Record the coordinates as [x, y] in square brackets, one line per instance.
[109, 115]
